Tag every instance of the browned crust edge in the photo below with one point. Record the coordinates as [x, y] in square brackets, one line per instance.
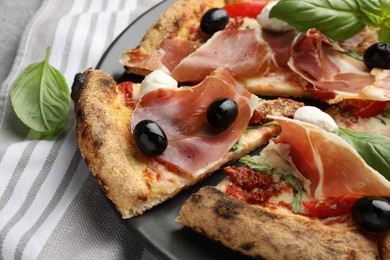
[262, 232]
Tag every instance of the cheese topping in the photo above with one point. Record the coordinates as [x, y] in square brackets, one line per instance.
[272, 24]
[155, 80]
[316, 116]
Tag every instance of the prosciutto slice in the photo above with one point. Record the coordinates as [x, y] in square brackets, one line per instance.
[166, 57]
[193, 145]
[332, 165]
[241, 52]
[331, 70]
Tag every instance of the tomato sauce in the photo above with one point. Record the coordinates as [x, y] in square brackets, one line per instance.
[126, 88]
[248, 185]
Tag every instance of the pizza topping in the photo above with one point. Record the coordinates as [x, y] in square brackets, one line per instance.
[182, 112]
[272, 24]
[372, 147]
[249, 186]
[330, 69]
[249, 9]
[277, 107]
[222, 113]
[362, 108]
[214, 20]
[372, 214]
[377, 56]
[316, 116]
[155, 80]
[332, 165]
[330, 207]
[150, 138]
[239, 51]
[174, 50]
[130, 93]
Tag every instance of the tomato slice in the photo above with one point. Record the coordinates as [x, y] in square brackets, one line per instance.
[330, 207]
[245, 9]
[363, 108]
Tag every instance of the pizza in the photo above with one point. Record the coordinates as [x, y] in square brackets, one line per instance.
[218, 83]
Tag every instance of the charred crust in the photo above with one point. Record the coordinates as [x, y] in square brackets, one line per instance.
[225, 209]
[97, 143]
[106, 82]
[196, 198]
[80, 116]
[77, 85]
[247, 246]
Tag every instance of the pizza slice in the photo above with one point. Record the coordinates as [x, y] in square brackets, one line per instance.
[145, 142]
[307, 195]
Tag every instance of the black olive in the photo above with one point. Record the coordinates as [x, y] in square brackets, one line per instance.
[214, 20]
[372, 214]
[150, 138]
[222, 113]
[377, 56]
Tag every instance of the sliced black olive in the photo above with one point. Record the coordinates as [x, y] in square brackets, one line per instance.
[372, 214]
[150, 138]
[222, 113]
[214, 20]
[377, 56]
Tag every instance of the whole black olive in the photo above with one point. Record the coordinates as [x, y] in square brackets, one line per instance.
[372, 213]
[214, 20]
[222, 113]
[150, 138]
[377, 56]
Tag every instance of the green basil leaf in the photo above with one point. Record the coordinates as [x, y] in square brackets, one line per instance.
[384, 35]
[294, 182]
[373, 148]
[41, 99]
[372, 12]
[339, 20]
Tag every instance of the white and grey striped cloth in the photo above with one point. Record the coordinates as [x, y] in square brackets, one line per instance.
[50, 206]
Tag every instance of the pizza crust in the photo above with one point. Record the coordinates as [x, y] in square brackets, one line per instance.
[272, 233]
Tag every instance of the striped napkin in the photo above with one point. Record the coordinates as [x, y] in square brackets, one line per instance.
[50, 206]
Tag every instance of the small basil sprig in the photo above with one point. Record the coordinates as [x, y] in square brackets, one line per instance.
[339, 20]
[41, 99]
[373, 148]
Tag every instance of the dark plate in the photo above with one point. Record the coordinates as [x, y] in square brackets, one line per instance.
[157, 228]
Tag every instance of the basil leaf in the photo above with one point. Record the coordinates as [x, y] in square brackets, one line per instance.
[384, 35]
[373, 148]
[41, 99]
[297, 202]
[339, 20]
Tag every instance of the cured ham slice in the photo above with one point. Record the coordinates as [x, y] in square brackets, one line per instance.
[331, 70]
[175, 50]
[241, 52]
[169, 54]
[193, 145]
[332, 165]
[143, 62]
